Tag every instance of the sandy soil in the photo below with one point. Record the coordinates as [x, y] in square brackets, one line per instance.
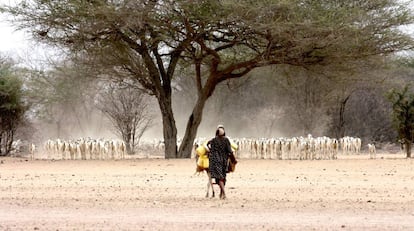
[351, 193]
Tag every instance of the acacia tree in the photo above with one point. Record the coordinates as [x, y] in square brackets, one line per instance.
[12, 108]
[127, 109]
[61, 95]
[403, 114]
[221, 39]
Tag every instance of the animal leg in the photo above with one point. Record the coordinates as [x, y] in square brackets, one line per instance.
[210, 185]
[208, 189]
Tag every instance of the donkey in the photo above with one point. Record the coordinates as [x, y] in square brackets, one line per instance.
[200, 169]
[202, 158]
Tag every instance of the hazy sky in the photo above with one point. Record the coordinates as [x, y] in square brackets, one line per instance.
[18, 44]
[11, 40]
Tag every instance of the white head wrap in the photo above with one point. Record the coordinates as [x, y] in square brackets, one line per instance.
[221, 131]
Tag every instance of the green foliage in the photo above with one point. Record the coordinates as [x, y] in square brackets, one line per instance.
[63, 94]
[11, 107]
[407, 62]
[403, 113]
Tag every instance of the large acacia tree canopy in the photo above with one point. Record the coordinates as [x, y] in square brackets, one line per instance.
[298, 32]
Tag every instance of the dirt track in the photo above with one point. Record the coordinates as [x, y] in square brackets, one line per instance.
[158, 194]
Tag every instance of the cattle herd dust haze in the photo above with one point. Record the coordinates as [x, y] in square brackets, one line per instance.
[256, 106]
[71, 124]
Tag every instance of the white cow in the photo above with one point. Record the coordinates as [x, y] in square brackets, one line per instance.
[372, 151]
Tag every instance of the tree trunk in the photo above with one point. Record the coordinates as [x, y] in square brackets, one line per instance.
[9, 142]
[191, 129]
[169, 129]
[58, 128]
[408, 148]
[132, 150]
[1, 143]
[341, 123]
[196, 117]
[129, 149]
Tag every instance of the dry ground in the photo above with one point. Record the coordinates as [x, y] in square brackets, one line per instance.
[351, 193]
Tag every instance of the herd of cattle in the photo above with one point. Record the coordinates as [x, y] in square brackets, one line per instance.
[83, 149]
[294, 148]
